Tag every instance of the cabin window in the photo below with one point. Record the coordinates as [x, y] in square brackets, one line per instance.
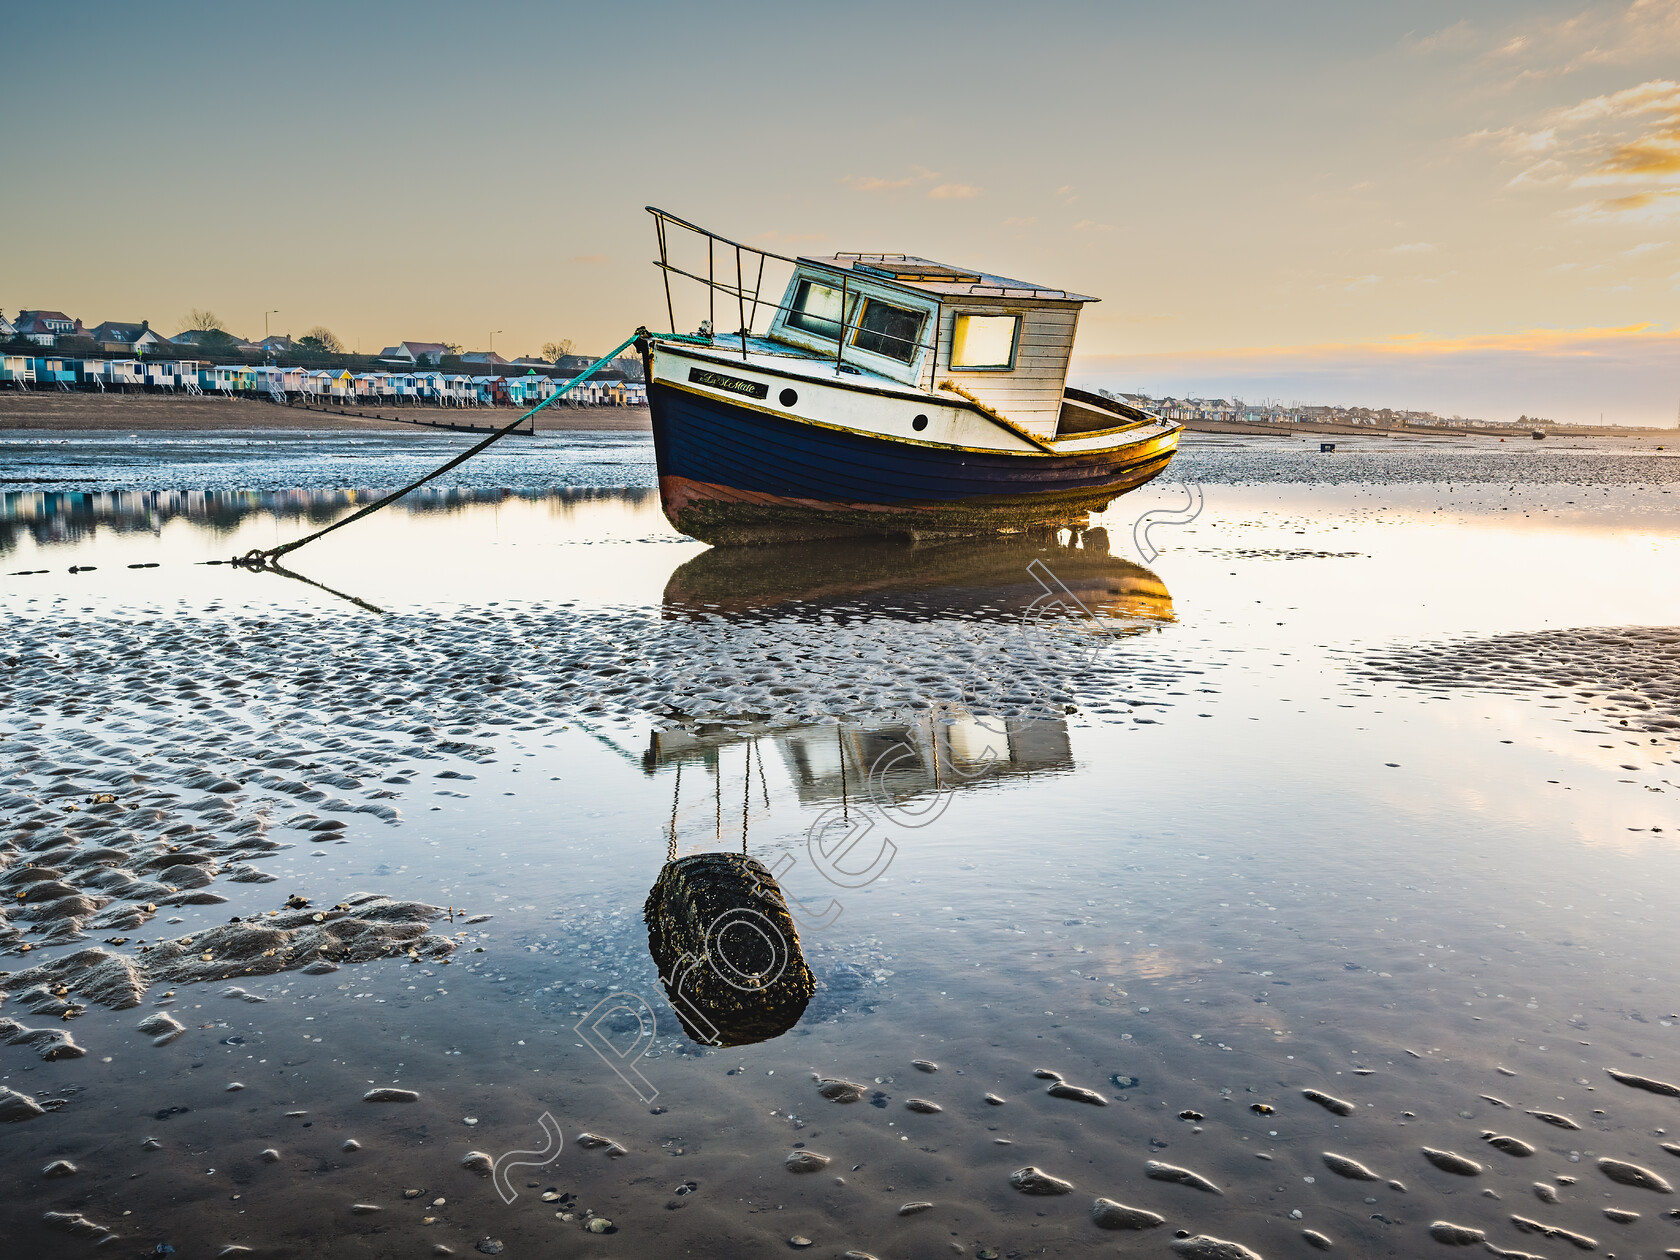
[890, 331]
[984, 341]
[816, 309]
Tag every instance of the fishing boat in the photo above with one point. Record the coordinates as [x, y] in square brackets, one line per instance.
[882, 394]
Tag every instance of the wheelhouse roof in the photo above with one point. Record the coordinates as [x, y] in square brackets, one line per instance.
[941, 279]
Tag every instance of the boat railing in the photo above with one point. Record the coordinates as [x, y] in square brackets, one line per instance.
[749, 300]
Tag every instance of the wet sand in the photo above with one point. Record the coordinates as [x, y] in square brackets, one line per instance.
[1311, 869]
[57, 412]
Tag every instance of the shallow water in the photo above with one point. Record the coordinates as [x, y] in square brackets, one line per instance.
[1348, 787]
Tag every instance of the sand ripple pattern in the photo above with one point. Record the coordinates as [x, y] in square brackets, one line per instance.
[1628, 674]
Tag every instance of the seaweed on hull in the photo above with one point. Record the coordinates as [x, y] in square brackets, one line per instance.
[727, 950]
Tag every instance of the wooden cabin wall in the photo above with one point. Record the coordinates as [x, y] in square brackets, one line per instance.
[1031, 394]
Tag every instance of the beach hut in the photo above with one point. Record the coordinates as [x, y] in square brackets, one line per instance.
[16, 370]
[341, 385]
[125, 373]
[458, 391]
[317, 385]
[429, 387]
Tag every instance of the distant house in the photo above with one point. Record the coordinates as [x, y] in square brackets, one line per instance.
[416, 353]
[526, 360]
[484, 356]
[46, 327]
[7, 329]
[216, 337]
[275, 344]
[119, 338]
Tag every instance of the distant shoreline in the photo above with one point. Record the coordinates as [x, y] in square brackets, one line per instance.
[138, 413]
[1264, 429]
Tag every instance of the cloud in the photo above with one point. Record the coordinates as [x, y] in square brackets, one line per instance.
[953, 192]
[870, 183]
[589, 258]
[1354, 283]
[1019, 223]
[1455, 38]
[1660, 206]
[1415, 247]
[1091, 225]
[1603, 34]
[1645, 247]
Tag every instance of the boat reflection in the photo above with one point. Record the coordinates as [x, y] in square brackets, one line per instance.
[935, 753]
[985, 576]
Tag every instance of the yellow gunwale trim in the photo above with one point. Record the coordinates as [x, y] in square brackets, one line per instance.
[891, 437]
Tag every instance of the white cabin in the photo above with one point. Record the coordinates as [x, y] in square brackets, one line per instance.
[1001, 343]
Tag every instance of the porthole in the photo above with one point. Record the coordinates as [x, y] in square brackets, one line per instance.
[788, 397]
[919, 423]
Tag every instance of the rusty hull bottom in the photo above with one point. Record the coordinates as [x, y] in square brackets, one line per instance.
[726, 517]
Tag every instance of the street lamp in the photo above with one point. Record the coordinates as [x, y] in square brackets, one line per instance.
[266, 346]
[493, 342]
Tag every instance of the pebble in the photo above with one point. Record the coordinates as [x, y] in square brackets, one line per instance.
[923, 1106]
[995, 1101]
[857, 1255]
[805, 1162]
[1107, 1214]
[1206, 1247]
[489, 1246]
[233, 1087]
[1621, 1215]
[151, 1144]
[911, 1209]
[478, 1162]
[600, 1225]
[1328, 1102]
[60, 1168]
[1316, 1239]
[387, 1094]
[1352, 1169]
[1045, 1074]
[1031, 1180]
[839, 1091]
[1644, 1082]
[926, 1065]
[1551, 1117]
[1671, 1148]
[1061, 1089]
[364, 1209]
[1158, 1171]
[1452, 1161]
[269, 1156]
[1456, 1235]
[1545, 1193]
[1633, 1175]
[350, 1144]
[799, 1241]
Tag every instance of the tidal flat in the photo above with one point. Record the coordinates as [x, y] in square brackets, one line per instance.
[1284, 864]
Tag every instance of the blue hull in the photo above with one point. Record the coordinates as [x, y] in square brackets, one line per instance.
[730, 474]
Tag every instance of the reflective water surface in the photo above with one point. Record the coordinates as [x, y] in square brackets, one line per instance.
[1343, 788]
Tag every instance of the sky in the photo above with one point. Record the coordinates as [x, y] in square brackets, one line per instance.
[1466, 209]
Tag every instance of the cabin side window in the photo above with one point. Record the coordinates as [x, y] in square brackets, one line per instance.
[890, 331]
[816, 309]
[984, 341]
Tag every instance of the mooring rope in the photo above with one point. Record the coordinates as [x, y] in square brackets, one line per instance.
[257, 558]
